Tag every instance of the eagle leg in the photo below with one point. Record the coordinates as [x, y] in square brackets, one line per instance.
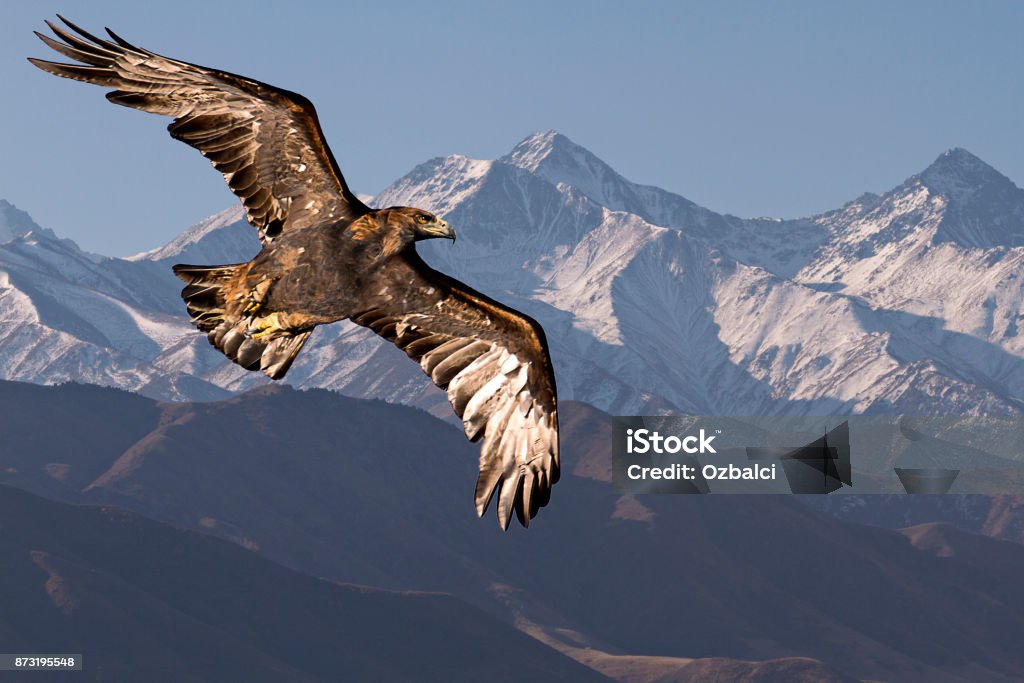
[277, 324]
[255, 298]
[251, 306]
[267, 327]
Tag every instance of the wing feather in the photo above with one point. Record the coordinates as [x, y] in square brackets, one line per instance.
[267, 142]
[493, 362]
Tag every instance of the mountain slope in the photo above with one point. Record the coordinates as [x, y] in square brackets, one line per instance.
[369, 492]
[67, 315]
[651, 303]
[760, 313]
[144, 601]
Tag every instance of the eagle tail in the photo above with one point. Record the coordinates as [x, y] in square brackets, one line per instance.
[277, 357]
[231, 332]
[204, 293]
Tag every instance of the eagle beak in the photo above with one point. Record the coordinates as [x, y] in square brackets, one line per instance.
[442, 229]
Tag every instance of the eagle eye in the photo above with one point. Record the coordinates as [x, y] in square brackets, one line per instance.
[420, 218]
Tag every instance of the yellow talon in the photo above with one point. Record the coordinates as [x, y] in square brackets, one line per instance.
[252, 306]
[254, 302]
[263, 328]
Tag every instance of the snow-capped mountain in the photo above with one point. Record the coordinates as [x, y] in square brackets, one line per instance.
[908, 301]
[208, 240]
[14, 223]
[67, 315]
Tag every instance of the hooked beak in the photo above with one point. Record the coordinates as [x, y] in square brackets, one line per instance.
[441, 228]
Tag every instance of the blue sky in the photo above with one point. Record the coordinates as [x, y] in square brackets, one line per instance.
[751, 108]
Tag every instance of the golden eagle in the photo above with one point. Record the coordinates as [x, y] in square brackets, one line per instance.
[327, 257]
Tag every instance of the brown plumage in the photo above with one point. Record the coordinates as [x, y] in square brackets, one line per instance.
[327, 257]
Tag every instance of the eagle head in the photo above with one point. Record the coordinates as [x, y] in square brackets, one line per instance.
[422, 224]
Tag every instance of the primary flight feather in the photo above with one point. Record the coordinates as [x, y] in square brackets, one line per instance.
[327, 257]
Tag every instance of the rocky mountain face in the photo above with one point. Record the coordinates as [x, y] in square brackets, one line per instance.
[68, 315]
[905, 302]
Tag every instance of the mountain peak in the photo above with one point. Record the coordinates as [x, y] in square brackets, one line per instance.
[975, 206]
[957, 172]
[557, 159]
[548, 145]
[212, 237]
[15, 223]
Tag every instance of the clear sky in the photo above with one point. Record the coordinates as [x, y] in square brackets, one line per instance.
[750, 108]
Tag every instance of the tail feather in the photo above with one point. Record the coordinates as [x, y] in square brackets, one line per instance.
[279, 354]
[206, 299]
[204, 292]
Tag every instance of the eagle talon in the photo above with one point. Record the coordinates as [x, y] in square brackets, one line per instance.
[251, 306]
[261, 329]
[254, 301]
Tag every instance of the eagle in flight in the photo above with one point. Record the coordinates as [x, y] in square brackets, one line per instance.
[326, 257]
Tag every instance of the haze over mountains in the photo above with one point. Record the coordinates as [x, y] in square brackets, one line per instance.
[140, 600]
[906, 302]
[659, 588]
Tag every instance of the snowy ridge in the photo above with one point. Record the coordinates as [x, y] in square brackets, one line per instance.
[908, 301]
[557, 159]
[438, 185]
[15, 223]
[222, 233]
[66, 315]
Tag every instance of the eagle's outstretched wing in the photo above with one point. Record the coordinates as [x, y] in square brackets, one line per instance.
[266, 141]
[494, 364]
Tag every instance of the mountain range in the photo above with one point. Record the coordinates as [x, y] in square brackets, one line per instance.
[907, 302]
[751, 589]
